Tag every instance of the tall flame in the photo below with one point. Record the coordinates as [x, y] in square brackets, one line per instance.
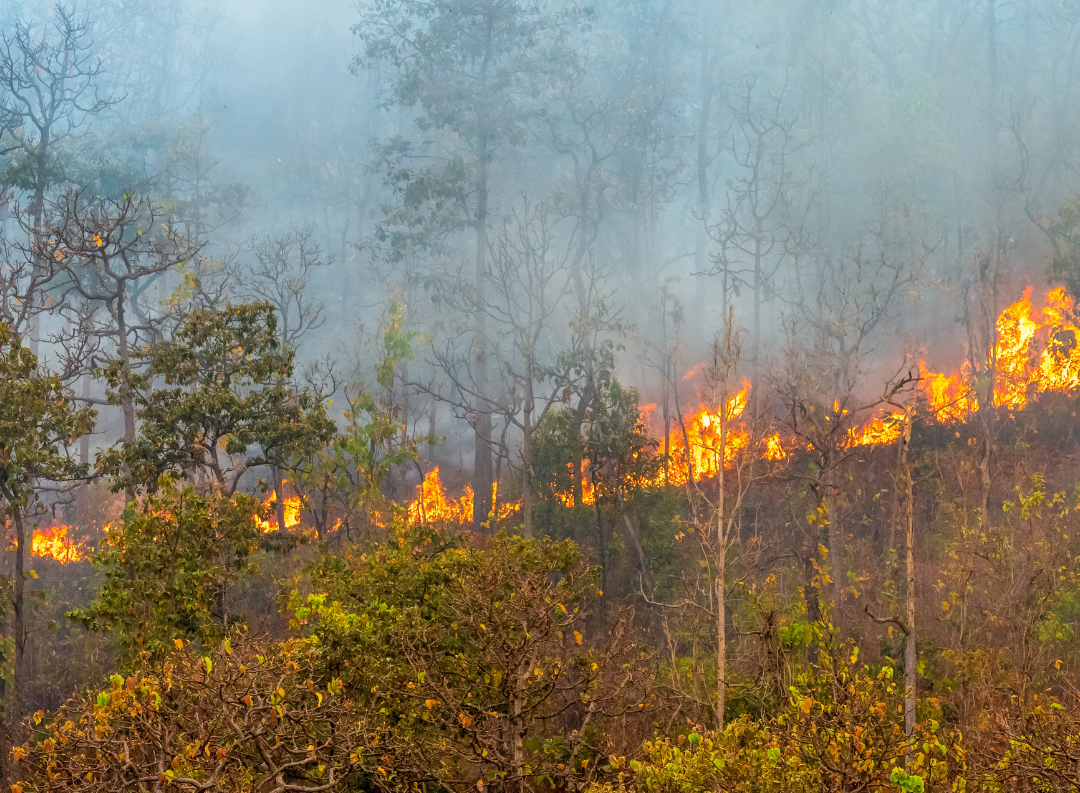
[1036, 352]
[293, 505]
[53, 542]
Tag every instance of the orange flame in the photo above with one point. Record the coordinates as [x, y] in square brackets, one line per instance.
[877, 431]
[432, 505]
[701, 433]
[293, 505]
[1036, 352]
[54, 543]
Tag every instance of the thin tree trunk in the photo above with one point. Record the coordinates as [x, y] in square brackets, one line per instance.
[705, 85]
[910, 660]
[526, 457]
[127, 401]
[721, 564]
[721, 635]
[482, 475]
[279, 497]
[37, 212]
[83, 499]
[19, 601]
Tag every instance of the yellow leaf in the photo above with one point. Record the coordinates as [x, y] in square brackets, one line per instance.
[466, 720]
[178, 644]
[430, 703]
[577, 637]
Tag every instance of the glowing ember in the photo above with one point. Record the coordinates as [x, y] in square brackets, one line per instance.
[774, 449]
[951, 397]
[701, 433]
[878, 431]
[432, 505]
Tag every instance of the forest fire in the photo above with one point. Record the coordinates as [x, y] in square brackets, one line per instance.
[1036, 352]
[293, 505]
[54, 542]
[432, 505]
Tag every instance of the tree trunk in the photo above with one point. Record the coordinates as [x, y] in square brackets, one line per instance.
[19, 601]
[910, 660]
[279, 497]
[482, 475]
[83, 499]
[37, 212]
[705, 86]
[127, 402]
[721, 635]
[526, 459]
[721, 570]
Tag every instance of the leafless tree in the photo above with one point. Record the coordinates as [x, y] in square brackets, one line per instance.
[48, 91]
[281, 275]
[749, 228]
[107, 254]
[529, 281]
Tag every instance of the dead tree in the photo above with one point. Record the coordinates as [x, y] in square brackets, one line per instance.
[48, 92]
[529, 280]
[107, 255]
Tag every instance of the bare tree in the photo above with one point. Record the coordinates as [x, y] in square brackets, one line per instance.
[48, 91]
[717, 506]
[832, 338]
[529, 278]
[107, 254]
[749, 227]
[281, 275]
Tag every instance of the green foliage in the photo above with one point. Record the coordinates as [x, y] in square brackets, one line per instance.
[38, 422]
[621, 454]
[241, 717]
[840, 729]
[475, 654]
[352, 466]
[1064, 233]
[217, 389]
[167, 566]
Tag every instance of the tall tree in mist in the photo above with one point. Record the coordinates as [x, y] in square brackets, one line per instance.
[750, 226]
[108, 255]
[49, 90]
[458, 67]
